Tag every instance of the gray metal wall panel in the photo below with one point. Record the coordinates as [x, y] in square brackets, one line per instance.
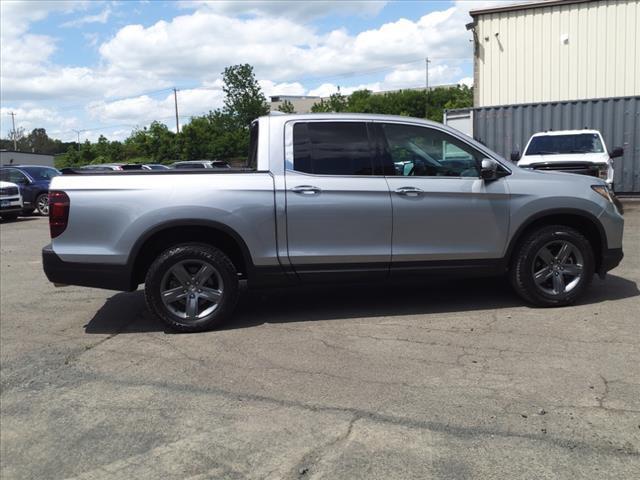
[509, 127]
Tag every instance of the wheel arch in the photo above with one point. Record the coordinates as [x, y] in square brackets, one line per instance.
[582, 221]
[163, 236]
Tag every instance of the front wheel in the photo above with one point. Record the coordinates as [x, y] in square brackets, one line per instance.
[192, 287]
[553, 266]
[42, 204]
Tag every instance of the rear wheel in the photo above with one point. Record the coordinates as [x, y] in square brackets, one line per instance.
[553, 266]
[192, 287]
[42, 204]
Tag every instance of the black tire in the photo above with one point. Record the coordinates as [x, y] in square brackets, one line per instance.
[42, 204]
[523, 266]
[9, 216]
[190, 256]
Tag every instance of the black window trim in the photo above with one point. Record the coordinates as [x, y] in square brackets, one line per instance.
[478, 161]
[485, 153]
[288, 149]
[372, 138]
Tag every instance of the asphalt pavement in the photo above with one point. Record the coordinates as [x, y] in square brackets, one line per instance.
[443, 380]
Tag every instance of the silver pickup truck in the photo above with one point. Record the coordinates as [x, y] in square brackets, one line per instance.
[328, 198]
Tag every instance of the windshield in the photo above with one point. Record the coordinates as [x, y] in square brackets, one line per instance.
[562, 144]
[41, 173]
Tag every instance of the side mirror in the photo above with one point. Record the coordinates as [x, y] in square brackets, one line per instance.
[488, 169]
[515, 156]
[616, 152]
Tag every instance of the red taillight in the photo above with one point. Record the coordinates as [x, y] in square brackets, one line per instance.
[58, 212]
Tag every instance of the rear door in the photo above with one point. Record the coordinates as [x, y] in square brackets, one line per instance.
[442, 210]
[338, 210]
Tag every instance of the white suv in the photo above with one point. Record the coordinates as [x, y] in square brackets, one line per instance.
[10, 201]
[572, 151]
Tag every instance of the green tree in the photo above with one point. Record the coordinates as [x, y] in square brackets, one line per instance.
[286, 107]
[335, 103]
[244, 100]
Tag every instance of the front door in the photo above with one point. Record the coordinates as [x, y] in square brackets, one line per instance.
[338, 212]
[442, 210]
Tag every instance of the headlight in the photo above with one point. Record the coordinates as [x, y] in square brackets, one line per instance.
[603, 172]
[606, 192]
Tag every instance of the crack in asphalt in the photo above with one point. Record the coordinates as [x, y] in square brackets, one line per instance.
[305, 467]
[434, 426]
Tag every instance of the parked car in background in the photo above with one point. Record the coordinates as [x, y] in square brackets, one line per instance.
[155, 166]
[103, 167]
[323, 200]
[200, 164]
[572, 151]
[10, 201]
[33, 181]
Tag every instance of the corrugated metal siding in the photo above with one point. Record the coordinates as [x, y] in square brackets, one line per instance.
[509, 127]
[528, 61]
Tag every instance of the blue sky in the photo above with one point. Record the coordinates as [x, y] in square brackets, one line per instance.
[106, 67]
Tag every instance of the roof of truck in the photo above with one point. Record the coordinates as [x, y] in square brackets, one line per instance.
[565, 132]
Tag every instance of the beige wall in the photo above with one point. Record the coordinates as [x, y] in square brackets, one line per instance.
[529, 61]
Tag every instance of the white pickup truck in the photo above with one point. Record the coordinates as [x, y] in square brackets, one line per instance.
[572, 151]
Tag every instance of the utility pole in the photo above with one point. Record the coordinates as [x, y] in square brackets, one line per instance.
[78, 133]
[13, 122]
[426, 85]
[426, 64]
[175, 100]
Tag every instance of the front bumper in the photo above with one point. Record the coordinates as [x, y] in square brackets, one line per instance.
[97, 275]
[10, 209]
[10, 205]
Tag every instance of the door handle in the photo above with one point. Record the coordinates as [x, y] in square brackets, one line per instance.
[409, 191]
[306, 189]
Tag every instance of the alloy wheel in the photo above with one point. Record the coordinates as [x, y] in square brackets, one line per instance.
[558, 267]
[43, 205]
[192, 289]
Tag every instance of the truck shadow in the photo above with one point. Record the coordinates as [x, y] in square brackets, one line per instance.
[127, 312]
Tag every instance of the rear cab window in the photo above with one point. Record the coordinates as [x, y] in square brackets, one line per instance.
[332, 148]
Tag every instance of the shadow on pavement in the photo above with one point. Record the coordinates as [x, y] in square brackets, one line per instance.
[127, 312]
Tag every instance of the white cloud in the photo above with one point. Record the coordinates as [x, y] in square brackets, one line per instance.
[275, 37]
[101, 17]
[53, 121]
[468, 81]
[298, 10]
[279, 48]
[270, 88]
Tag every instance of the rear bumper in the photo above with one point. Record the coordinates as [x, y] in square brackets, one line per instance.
[611, 258]
[97, 275]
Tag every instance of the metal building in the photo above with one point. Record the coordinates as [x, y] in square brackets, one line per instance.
[556, 50]
[10, 157]
[557, 64]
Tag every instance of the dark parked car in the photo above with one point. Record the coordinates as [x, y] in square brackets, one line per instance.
[33, 181]
[189, 164]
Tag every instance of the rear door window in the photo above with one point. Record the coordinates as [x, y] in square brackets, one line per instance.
[332, 148]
